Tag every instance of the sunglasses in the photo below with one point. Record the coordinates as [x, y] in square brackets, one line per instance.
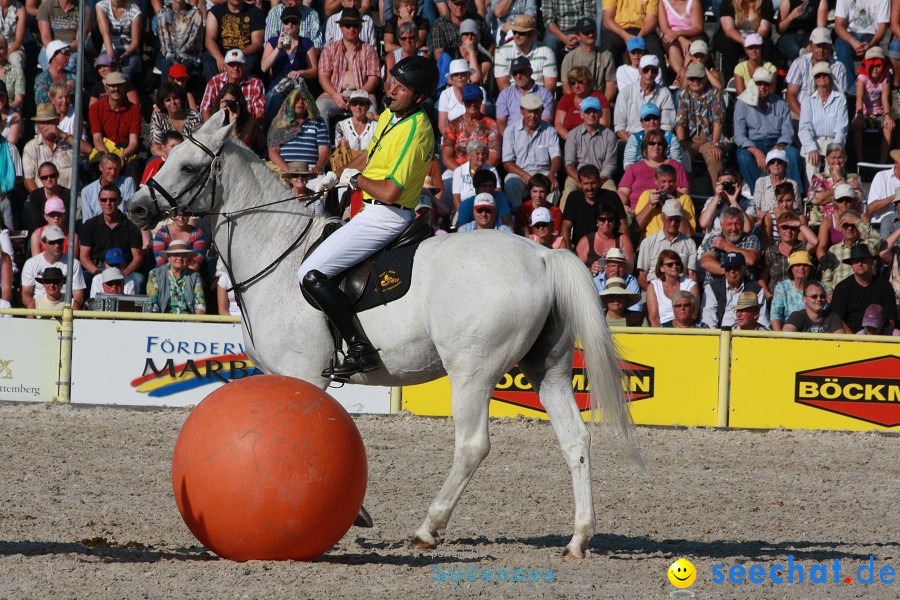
[56, 215]
[652, 70]
[843, 200]
[521, 33]
[541, 225]
[407, 38]
[54, 242]
[637, 51]
[605, 219]
[46, 177]
[763, 84]
[591, 33]
[577, 82]
[848, 226]
[291, 21]
[351, 26]
[681, 306]
[108, 200]
[816, 296]
[672, 264]
[695, 79]
[484, 211]
[656, 143]
[651, 118]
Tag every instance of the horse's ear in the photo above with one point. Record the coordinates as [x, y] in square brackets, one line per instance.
[221, 132]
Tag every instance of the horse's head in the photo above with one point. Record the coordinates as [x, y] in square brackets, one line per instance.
[187, 180]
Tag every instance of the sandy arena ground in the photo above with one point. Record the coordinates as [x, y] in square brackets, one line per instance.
[86, 511]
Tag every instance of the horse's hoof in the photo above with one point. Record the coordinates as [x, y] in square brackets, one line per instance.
[569, 553]
[420, 544]
[363, 519]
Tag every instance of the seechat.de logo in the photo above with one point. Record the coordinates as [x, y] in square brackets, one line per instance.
[514, 387]
[868, 390]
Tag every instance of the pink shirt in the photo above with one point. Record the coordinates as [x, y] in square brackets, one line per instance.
[640, 178]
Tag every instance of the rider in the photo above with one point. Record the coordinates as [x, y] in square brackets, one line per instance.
[393, 171]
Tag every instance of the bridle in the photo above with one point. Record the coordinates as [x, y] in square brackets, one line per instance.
[209, 174]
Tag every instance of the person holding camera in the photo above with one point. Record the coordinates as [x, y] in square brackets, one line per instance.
[729, 192]
[649, 209]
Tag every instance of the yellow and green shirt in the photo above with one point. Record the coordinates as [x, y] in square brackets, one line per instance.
[401, 152]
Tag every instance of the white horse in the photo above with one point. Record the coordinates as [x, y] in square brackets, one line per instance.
[479, 303]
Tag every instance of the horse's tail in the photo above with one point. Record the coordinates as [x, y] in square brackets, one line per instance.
[578, 308]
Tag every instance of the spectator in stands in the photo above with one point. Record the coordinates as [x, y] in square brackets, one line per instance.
[629, 73]
[58, 22]
[170, 139]
[738, 21]
[761, 128]
[445, 30]
[463, 175]
[601, 68]
[59, 54]
[615, 264]
[640, 176]
[53, 281]
[172, 287]
[662, 291]
[120, 23]
[406, 14]
[891, 222]
[822, 185]
[10, 119]
[110, 229]
[12, 32]
[859, 26]
[503, 13]
[579, 211]
[62, 102]
[680, 23]
[34, 210]
[823, 119]
[882, 189]
[290, 61]
[185, 229]
[310, 25]
[765, 187]
[669, 238]
[590, 143]
[530, 146]
[509, 100]
[231, 99]
[299, 133]
[471, 125]
[568, 111]
[485, 216]
[347, 64]
[297, 178]
[785, 201]
[797, 21]
[524, 43]
[698, 53]
[856, 232]
[227, 303]
[235, 73]
[333, 29]
[356, 131]
[110, 167]
[173, 114]
[53, 256]
[701, 119]
[472, 52]
[486, 182]
[684, 307]
[788, 296]
[561, 18]
[116, 122]
[728, 192]
[843, 199]
[411, 45]
[776, 260]
[813, 319]
[232, 25]
[542, 225]
[615, 299]
[12, 75]
[732, 240]
[747, 312]
[855, 293]
[182, 32]
[592, 248]
[49, 145]
[451, 104]
[800, 81]
[6, 265]
[650, 121]
[874, 323]
[103, 66]
[653, 203]
[623, 20]
[720, 295]
[536, 193]
[54, 216]
[632, 98]
[873, 101]
[743, 73]
[112, 281]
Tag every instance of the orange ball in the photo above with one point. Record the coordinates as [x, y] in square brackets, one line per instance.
[269, 468]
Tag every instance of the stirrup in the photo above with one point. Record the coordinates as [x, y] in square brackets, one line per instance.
[360, 358]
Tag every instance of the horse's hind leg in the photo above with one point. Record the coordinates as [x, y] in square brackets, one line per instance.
[549, 370]
[470, 397]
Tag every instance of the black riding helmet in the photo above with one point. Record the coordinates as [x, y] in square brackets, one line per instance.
[418, 73]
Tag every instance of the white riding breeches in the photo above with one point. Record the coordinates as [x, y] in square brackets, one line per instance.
[368, 232]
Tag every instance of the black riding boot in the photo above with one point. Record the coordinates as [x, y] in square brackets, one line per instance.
[361, 356]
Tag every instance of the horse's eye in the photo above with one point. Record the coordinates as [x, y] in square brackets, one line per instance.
[188, 169]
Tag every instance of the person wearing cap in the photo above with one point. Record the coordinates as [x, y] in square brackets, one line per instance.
[629, 72]
[651, 118]
[536, 192]
[662, 199]
[103, 66]
[188, 229]
[874, 323]
[53, 256]
[49, 145]
[731, 240]
[542, 225]
[54, 216]
[561, 18]
[616, 264]
[233, 25]
[882, 190]
[445, 35]
[626, 19]
[739, 20]
[290, 60]
[406, 11]
[53, 281]
[599, 64]
[680, 23]
[47, 174]
[788, 295]
[720, 296]
[451, 105]
[614, 300]
[632, 98]
[333, 28]
[761, 128]
[120, 23]
[310, 25]
[568, 111]
[472, 125]
[770, 186]
[112, 280]
[345, 65]
[662, 291]
[698, 53]
[530, 146]
[110, 229]
[812, 319]
[873, 101]
[485, 216]
[486, 182]
[59, 56]
[823, 120]
[747, 312]
[858, 26]
[855, 231]
[701, 118]
[13, 75]
[743, 72]
[854, 294]
[589, 143]
[797, 20]
[775, 264]
[115, 121]
[173, 287]
[509, 101]
[799, 79]
[110, 167]
[524, 43]
[181, 32]
[236, 72]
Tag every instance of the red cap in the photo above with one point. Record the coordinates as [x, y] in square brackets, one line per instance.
[177, 71]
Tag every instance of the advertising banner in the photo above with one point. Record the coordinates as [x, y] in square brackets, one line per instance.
[29, 359]
[162, 363]
[671, 379]
[814, 384]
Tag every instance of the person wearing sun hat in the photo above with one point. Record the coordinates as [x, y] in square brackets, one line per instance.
[855, 231]
[173, 287]
[616, 299]
[788, 293]
[297, 176]
[59, 67]
[524, 43]
[823, 119]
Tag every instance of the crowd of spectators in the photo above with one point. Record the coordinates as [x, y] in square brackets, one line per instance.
[587, 132]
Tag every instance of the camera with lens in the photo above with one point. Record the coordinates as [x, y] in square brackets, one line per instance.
[232, 104]
[728, 186]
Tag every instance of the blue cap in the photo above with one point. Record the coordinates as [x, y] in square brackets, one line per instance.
[471, 92]
[636, 43]
[115, 257]
[733, 260]
[650, 109]
[590, 102]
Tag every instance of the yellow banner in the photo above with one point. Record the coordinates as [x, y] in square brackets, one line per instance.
[672, 380]
[814, 384]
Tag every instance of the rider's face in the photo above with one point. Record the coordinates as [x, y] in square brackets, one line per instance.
[402, 98]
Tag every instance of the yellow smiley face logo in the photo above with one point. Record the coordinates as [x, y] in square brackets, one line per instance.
[682, 573]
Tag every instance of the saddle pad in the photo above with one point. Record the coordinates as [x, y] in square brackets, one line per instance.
[393, 269]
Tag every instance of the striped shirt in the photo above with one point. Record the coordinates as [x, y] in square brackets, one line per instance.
[310, 26]
[800, 74]
[543, 61]
[254, 94]
[334, 62]
[818, 120]
[305, 146]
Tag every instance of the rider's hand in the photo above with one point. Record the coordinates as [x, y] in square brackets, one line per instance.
[327, 182]
[348, 178]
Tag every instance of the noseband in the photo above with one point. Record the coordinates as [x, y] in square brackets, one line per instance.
[209, 174]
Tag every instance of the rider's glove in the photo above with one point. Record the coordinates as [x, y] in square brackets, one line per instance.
[349, 177]
[327, 182]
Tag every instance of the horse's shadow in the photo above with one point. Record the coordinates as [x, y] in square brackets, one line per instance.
[113, 553]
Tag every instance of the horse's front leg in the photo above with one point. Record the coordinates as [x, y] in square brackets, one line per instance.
[470, 402]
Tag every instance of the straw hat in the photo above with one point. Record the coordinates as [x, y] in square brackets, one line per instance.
[178, 248]
[615, 286]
